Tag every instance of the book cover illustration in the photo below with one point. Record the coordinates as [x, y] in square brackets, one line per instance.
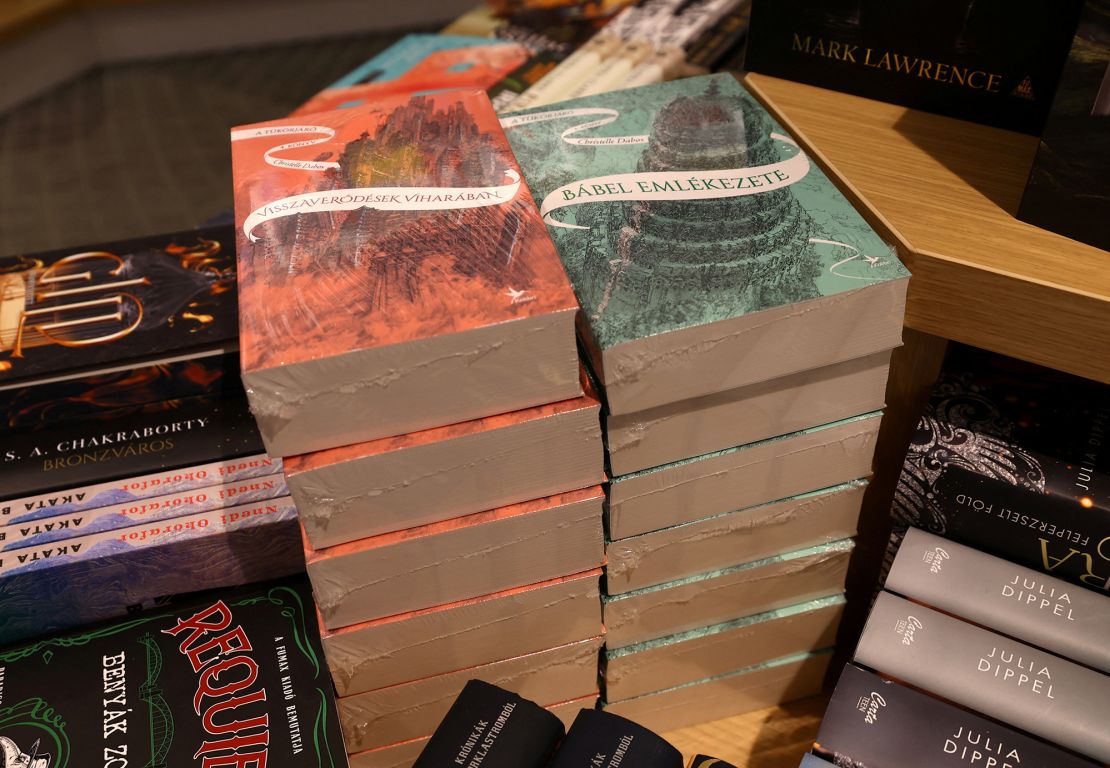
[112, 304]
[374, 226]
[404, 55]
[991, 61]
[684, 204]
[233, 678]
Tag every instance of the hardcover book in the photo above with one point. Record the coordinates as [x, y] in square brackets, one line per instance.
[113, 445]
[381, 266]
[994, 62]
[720, 596]
[872, 722]
[435, 564]
[726, 540]
[412, 710]
[116, 306]
[687, 219]
[1028, 688]
[743, 690]
[992, 592]
[686, 657]
[744, 476]
[465, 633]
[230, 678]
[1010, 458]
[607, 740]
[101, 576]
[348, 493]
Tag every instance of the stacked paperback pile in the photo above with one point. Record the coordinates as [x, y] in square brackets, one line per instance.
[740, 320]
[408, 347]
[1000, 620]
[131, 469]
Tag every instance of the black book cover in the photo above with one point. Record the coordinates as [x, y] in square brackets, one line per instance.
[1069, 185]
[114, 305]
[125, 442]
[490, 727]
[599, 739]
[229, 679]
[705, 761]
[989, 61]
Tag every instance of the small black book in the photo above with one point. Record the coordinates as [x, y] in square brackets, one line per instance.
[493, 728]
[600, 739]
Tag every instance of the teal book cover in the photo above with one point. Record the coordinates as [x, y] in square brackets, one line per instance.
[405, 54]
[684, 205]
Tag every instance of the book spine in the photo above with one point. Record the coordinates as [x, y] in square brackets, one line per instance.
[875, 723]
[1016, 601]
[1028, 688]
[45, 530]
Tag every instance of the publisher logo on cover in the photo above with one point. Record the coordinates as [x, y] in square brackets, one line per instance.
[935, 559]
[870, 706]
[907, 627]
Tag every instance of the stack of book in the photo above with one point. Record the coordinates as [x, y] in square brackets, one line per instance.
[740, 321]
[130, 467]
[408, 346]
[997, 613]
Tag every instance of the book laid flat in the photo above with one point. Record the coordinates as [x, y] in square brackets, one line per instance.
[1028, 688]
[230, 673]
[812, 761]
[744, 476]
[403, 754]
[400, 482]
[381, 266]
[753, 533]
[705, 248]
[758, 687]
[405, 54]
[412, 710]
[876, 723]
[100, 576]
[493, 727]
[698, 654]
[457, 559]
[677, 431]
[1010, 458]
[607, 740]
[466, 633]
[731, 593]
[1008, 598]
[705, 761]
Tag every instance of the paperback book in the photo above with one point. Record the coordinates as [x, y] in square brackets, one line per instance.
[687, 218]
[381, 265]
[597, 735]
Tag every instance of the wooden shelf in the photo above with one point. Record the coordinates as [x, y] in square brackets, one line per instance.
[947, 190]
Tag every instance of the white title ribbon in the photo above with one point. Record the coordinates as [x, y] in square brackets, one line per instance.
[286, 130]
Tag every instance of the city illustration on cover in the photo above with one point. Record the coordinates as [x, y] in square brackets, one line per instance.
[684, 204]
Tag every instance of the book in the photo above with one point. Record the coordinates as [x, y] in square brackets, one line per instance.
[989, 62]
[608, 740]
[747, 475]
[667, 662]
[116, 306]
[390, 269]
[1001, 678]
[136, 488]
[122, 443]
[689, 428]
[101, 576]
[227, 676]
[493, 727]
[35, 533]
[872, 722]
[1009, 457]
[743, 690]
[392, 483]
[992, 592]
[687, 218]
[711, 49]
[404, 55]
[748, 534]
[812, 761]
[465, 633]
[705, 761]
[412, 710]
[435, 563]
[719, 596]
[1066, 192]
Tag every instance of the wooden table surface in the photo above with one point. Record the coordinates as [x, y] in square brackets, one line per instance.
[947, 190]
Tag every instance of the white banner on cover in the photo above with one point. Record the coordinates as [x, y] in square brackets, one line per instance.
[288, 130]
[384, 199]
[857, 255]
[607, 116]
